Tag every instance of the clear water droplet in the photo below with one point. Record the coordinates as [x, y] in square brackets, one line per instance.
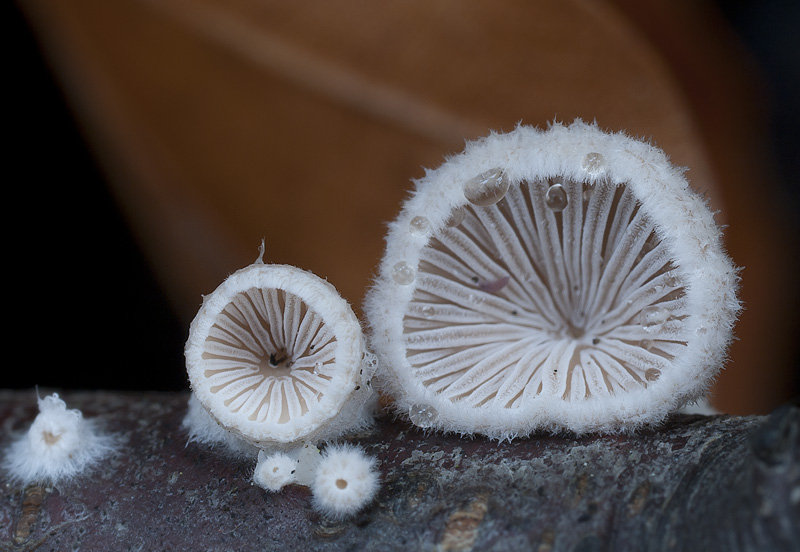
[419, 226]
[456, 217]
[423, 415]
[487, 188]
[651, 374]
[403, 273]
[428, 311]
[652, 317]
[646, 344]
[317, 367]
[556, 198]
[593, 163]
[672, 280]
[587, 193]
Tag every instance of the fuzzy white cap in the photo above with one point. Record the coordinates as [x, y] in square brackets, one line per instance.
[59, 445]
[472, 320]
[346, 480]
[274, 471]
[277, 357]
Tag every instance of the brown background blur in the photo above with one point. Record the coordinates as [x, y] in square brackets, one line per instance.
[205, 125]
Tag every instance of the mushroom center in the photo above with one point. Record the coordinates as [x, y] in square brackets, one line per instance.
[50, 438]
[560, 288]
[270, 355]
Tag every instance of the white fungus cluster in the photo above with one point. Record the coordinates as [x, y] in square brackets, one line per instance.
[566, 279]
[60, 445]
[278, 363]
[343, 479]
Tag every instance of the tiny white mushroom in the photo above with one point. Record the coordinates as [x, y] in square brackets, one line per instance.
[298, 465]
[274, 471]
[277, 357]
[567, 279]
[346, 480]
[60, 445]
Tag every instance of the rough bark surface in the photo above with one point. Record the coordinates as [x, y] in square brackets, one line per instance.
[696, 483]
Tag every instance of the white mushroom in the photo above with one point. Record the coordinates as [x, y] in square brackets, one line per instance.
[60, 445]
[559, 279]
[277, 357]
[345, 481]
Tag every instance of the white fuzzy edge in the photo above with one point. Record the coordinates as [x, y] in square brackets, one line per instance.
[532, 154]
[274, 471]
[351, 464]
[203, 429]
[81, 445]
[350, 403]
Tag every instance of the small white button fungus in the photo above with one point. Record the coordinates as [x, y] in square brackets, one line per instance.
[274, 471]
[567, 279]
[345, 481]
[59, 445]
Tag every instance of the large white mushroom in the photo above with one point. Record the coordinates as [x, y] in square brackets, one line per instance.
[560, 279]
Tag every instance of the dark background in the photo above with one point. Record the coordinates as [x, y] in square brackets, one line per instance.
[86, 312]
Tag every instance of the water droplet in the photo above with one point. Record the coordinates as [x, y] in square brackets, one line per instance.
[593, 163]
[456, 217]
[672, 280]
[370, 364]
[403, 273]
[556, 197]
[423, 415]
[653, 316]
[487, 188]
[651, 374]
[588, 192]
[428, 311]
[646, 344]
[419, 226]
[317, 367]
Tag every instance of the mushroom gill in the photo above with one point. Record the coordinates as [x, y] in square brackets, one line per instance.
[276, 357]
[269, 356]
[560, 287]
[558, 279]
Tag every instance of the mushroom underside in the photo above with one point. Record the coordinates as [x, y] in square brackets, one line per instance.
[560, 288]
[268, 357]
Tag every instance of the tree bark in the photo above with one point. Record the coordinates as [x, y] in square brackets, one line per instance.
[696, 483]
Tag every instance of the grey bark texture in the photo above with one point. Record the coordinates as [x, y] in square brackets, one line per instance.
[695, 483]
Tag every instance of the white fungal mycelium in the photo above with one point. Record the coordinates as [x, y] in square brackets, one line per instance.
[345, 481]
[204, 429]
[559, 279]
[277, 358]
[60, 445]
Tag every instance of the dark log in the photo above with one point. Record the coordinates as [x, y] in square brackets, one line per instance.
[696, 483]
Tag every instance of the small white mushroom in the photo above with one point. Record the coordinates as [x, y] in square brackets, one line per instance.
[345, 481]
[277, 358]
[274, 471]
[60, 445]
[565, 279]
